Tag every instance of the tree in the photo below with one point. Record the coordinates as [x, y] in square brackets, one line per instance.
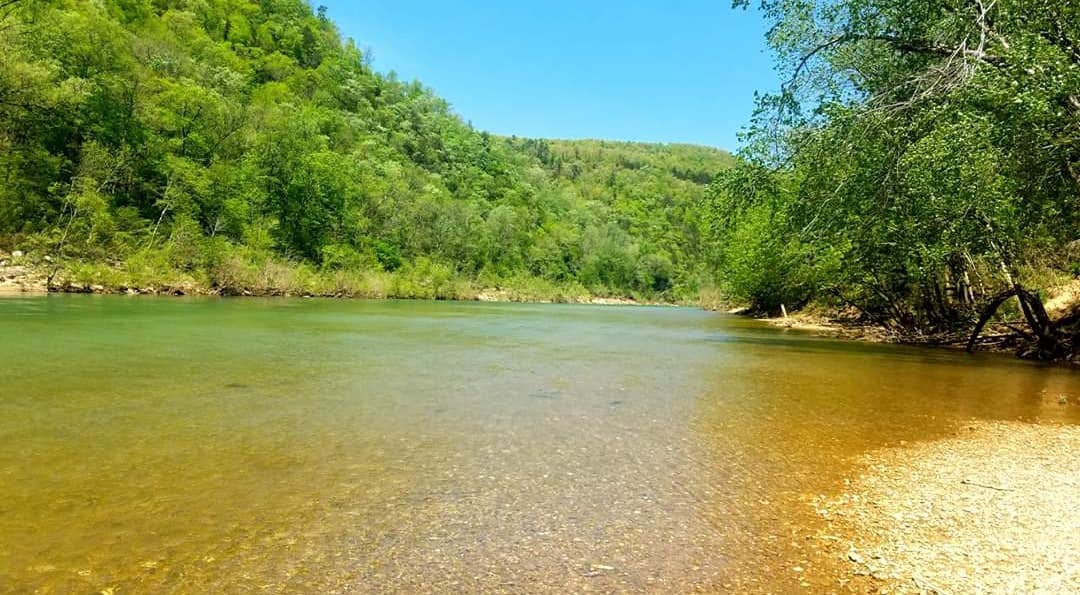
[251, 135]
[934, 143]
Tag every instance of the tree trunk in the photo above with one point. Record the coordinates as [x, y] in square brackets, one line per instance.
[1043, 332]
[988, 313]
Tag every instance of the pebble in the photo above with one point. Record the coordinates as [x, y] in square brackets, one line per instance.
[602, 567]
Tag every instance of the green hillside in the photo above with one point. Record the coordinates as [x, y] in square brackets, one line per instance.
[246, 147]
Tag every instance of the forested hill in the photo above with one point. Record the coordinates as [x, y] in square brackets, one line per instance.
[247, 146]
[644, 208]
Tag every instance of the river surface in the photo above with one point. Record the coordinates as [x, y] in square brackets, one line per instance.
[212, 445]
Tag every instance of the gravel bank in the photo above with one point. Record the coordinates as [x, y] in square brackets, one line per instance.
[993, 509]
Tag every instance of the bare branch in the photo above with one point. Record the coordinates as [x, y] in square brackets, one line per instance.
[916, 46]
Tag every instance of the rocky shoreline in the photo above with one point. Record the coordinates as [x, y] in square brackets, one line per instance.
[21, 275]
[17, 275]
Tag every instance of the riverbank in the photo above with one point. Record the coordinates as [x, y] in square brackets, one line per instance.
[811, 319]
[997, 337]
[819, 323]
[22, 274]
[991, 509]
[431, 281]
[18, 276]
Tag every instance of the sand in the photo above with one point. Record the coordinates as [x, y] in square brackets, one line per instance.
[994, 509]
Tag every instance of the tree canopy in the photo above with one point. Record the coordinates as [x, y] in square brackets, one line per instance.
[215, 136]
[920, 158]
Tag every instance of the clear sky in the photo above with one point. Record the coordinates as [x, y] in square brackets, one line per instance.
[647, 70]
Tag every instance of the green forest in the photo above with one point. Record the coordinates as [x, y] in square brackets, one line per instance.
[919, 169]
[246, 147]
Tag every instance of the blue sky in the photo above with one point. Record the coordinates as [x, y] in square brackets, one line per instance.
[646, 70]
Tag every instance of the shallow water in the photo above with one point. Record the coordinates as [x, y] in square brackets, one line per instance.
[186, 445]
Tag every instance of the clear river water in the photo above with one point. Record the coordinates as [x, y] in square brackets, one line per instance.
[301, 445]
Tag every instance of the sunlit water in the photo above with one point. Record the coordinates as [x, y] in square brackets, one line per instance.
[157, 445]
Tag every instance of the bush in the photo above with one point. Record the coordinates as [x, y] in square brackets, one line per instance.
[763, 268]
[426, 279]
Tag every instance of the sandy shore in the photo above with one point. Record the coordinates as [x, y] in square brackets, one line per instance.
[993, 509]
[821, 325]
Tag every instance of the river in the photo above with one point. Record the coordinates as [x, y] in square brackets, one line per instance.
[195, 445]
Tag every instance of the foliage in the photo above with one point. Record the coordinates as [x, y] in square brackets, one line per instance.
[227, 139]
[926, 152]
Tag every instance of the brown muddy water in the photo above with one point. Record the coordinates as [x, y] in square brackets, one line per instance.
[186, 445]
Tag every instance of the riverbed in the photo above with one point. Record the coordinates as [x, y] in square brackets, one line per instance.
[308, 445]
